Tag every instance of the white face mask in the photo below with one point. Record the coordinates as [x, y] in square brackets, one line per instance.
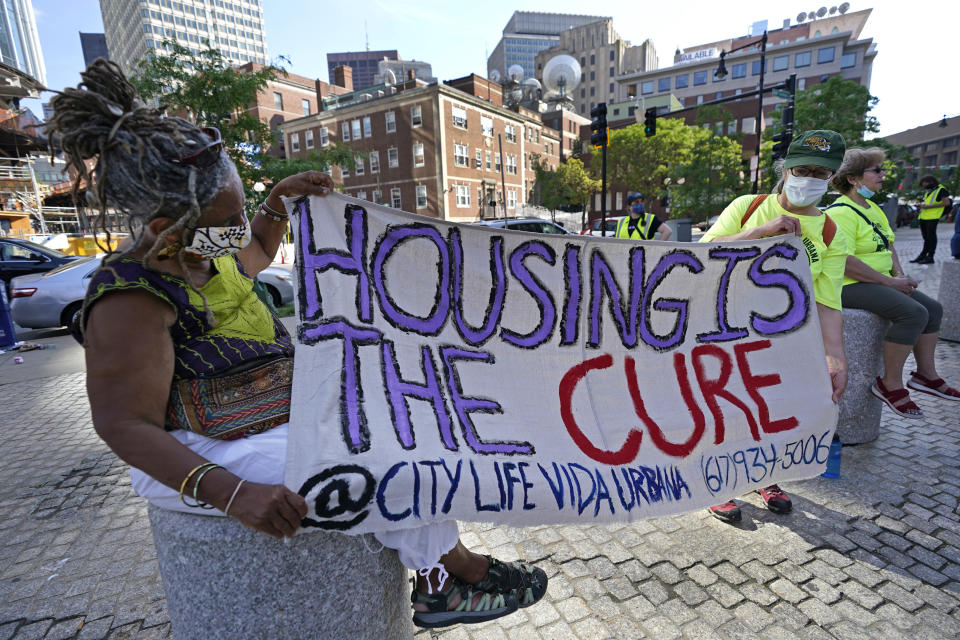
[214, 242]
[802, 192]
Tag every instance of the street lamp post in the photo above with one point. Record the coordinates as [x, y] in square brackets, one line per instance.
[721, 72]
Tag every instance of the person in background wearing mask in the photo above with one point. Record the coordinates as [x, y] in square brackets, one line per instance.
[936, 201]
[811, 160]
[874, 281]
[640, 225]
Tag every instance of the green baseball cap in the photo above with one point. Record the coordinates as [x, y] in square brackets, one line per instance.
[819, 147]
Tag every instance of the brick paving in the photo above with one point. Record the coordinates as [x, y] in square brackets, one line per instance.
[873, 554]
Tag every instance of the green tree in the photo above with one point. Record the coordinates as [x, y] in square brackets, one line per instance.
[642, 163]
[839, 105]
[712, 177]
[205, 89]
[548, 187]
[577, 182]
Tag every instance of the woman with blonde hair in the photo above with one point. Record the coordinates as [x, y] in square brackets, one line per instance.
[875, 281]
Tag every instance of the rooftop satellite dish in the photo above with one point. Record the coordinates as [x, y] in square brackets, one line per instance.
[561, 74]
[833, 10]
[822, 11]
[495, 75]
[532, 82]
[811, 15]
[801, 16]
[515, 72]
[389, 77]
[843, 8]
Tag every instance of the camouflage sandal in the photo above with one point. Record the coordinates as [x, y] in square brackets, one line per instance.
[525, 581]
[475, 605]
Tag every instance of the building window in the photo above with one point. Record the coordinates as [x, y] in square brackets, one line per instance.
[512, 165]
[739, 70]
[463, 196]
[950, 158]
[362, 195]
[511, 199]
[496, 162]
[699, 77]
[646, 87]
[305, 106]
[593, 59]
[930, 161]
[848, 60]
[391, 120]
[682, 81]
[801, 83]
[395, 198]
[825, 55]
[583, 93]
[393, 158]
[421, 197]
[486, 126]
[488, 161]
[611, 90]
[460, 155]
[802, 59]
[374, 162]
[593, 91]
[358, 167]
[344, 172]
[355, 129]
[781, 63]
[277, 101]
[294, 142]
[377, 196]
[663, 84]
[418, 155]
[749, 125]
[309, 138]
[367, 127]
[324, 136]
[611, 55]
[755, 68]
[345, 131]
[459, 117]
[510, 133]
[593, 76]
[416, 119]
[479, 159]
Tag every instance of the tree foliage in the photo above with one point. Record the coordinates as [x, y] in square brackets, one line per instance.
[642, 163]
[711, 179]
[839, 105]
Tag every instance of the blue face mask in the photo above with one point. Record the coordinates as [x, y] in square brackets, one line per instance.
[637, 207]
[865, 192]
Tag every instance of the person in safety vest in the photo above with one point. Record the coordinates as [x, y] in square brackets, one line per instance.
[641, 225]
[936, 201]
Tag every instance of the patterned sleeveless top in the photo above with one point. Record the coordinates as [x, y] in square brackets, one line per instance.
[245, 328]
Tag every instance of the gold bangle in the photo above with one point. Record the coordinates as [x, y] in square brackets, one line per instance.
[236, 490]
[282, 214]
[183, 485]
[196, 486]
[268, 213]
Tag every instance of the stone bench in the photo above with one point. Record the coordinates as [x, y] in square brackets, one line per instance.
[225, 581]
[863, 343]
[949, 297]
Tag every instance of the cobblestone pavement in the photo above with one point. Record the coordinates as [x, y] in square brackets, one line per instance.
[874, 554]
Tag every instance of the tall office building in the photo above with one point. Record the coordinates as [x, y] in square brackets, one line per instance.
[19, 42]
[94, 46]
[526, 34]
[135, 29]
[363, 63]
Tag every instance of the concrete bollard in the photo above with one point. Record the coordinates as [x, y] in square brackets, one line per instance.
[863, 343]
[225, 581]
[949, 297]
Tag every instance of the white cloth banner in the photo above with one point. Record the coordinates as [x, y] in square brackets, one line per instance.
[465, 372]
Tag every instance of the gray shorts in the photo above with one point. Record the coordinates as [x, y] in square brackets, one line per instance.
[910, 316]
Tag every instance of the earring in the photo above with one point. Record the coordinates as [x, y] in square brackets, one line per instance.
[169, 251]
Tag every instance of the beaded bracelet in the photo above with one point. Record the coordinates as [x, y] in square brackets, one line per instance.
[265, 210]
[226, 511]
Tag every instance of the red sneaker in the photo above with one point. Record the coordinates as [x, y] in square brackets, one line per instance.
[728, 511]
[775, 499]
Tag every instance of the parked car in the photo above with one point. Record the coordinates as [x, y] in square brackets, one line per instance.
[55, 298]
[906, 213]
[20, 257]
[593, 229]
[532, 225]
[706, 224]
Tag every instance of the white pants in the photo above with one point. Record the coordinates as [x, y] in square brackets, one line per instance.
[262, 458]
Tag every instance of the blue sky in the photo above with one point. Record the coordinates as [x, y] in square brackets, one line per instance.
[912, 74]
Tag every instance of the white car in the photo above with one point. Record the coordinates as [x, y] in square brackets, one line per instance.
[593, 229]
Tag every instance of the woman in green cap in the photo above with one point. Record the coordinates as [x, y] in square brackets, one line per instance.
[811, 161]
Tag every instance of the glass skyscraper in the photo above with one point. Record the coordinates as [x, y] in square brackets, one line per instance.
[19, 43]
[526, 34]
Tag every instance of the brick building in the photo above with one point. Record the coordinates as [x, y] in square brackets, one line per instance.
[935, 146]
[432, 149]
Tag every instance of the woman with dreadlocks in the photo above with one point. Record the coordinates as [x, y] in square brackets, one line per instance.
[188, 373]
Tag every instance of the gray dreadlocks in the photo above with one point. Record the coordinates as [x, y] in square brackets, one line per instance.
[134, 148]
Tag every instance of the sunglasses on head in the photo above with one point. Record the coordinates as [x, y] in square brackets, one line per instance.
[207, 155]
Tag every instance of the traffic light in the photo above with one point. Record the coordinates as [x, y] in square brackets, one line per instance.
[781, 142]
[650, 122]
[598, 125]
[790, 84]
